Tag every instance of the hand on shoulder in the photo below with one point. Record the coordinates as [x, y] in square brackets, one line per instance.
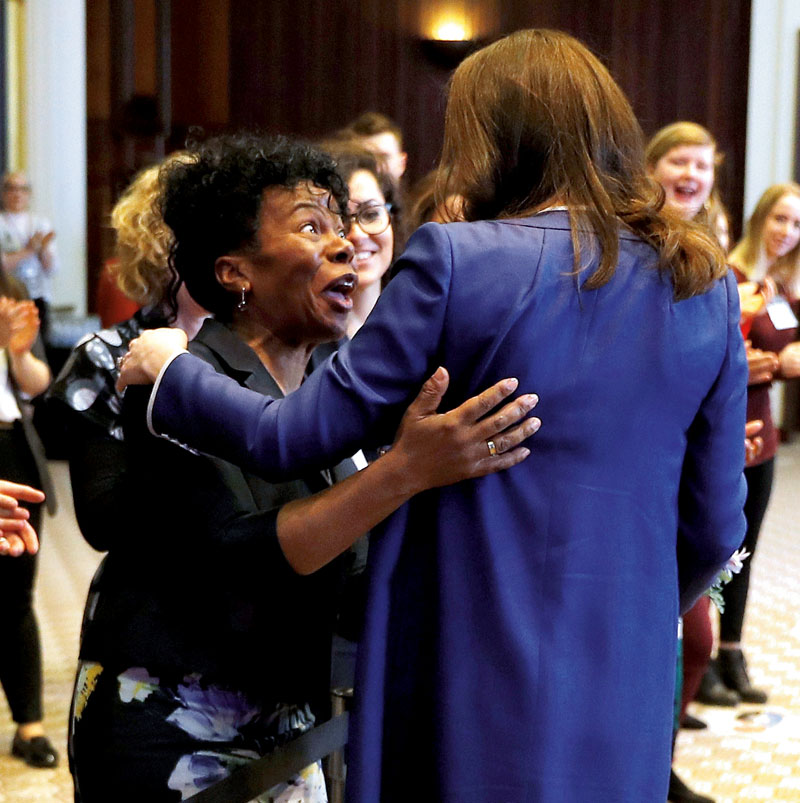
[148, 354]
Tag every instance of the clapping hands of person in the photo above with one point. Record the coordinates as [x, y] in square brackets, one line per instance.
[40, 240]
[760, 364]
[789, 359]
[19, 325]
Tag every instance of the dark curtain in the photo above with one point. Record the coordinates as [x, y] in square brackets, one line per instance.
[307, 67]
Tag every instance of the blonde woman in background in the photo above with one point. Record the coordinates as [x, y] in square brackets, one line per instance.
[768, 252]
[769, 248]
[84, 392]
[682, 158]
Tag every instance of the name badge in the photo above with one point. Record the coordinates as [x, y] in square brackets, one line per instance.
[781, 315]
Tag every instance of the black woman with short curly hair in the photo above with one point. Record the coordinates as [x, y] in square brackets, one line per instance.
[207, 644]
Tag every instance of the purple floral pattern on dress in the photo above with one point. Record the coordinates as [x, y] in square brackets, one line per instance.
[197, 771]
[209, 713]
[213, 715]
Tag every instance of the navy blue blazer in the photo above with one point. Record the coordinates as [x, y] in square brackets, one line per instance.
[520, 637]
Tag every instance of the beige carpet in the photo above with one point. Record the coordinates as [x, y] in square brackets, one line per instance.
[66, 566]
[755, 757]
[753, 752]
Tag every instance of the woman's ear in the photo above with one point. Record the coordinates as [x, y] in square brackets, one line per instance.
[232, 273]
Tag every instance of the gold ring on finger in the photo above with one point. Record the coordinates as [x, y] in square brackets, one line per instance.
[492, 448]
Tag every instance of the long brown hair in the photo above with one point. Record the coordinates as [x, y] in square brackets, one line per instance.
[749, 255]
[534, 120]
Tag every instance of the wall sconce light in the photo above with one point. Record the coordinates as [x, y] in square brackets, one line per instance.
[449, 44]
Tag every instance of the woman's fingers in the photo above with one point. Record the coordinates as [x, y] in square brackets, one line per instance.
[753, 427]
[469, 441]
[430, 395]
[478, 406]
[500, 462]
[147, 354]
[29, 539]
[508, 415]
[511, 437]
[13, 492]
[15, 544]
[13, 523]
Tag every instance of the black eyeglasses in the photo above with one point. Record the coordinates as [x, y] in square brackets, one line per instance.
[372, 218]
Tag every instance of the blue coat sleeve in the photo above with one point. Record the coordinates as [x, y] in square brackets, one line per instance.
[712, 487]
[356, 398]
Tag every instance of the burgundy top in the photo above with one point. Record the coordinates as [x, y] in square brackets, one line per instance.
[763, 335]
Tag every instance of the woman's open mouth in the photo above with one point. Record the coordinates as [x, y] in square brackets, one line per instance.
[686, 192]
[339, 292]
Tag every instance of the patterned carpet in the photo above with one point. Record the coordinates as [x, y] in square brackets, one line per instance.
[750, 753]
[753, 752]
[65, 568]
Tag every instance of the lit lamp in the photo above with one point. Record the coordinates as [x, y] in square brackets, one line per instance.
[449, 45]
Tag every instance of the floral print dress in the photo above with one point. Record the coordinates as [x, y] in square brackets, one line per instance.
[206, 732]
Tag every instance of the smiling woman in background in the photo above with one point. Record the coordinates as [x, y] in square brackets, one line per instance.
[681, 157]
[769, 250]
[372, 211]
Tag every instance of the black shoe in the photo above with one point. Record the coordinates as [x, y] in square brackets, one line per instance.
[733, 673]
[36, 752]
[679, 792]
[713, 691]
[690, 723]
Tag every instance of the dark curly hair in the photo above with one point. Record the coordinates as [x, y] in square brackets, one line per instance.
[212, 202]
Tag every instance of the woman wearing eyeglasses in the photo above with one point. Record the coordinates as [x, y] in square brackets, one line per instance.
[373, 209]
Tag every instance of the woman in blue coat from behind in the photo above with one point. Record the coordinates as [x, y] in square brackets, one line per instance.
[520, 635]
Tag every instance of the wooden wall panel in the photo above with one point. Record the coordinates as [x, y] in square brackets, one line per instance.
[311, 78]
[123, 59]
[306, 67]
[200, 58]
